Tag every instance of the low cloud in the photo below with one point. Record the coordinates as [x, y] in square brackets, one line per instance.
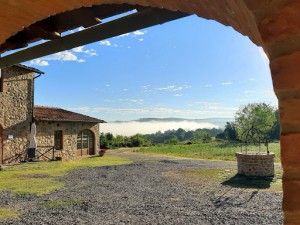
[106, 42]
[88, 52]
[173, 88]
[178, 95]
[226, 83]
[39, 62]
[139, 32]
[63, 56]
[133, 127]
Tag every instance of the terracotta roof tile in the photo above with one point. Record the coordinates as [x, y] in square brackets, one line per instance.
[29, 68]
[44, 113]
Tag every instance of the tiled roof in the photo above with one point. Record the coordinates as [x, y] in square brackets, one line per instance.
[44, 113]
[29, 68]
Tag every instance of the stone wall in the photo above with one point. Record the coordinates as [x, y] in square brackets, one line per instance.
[15, 113]
[70, 130]
[255, 164]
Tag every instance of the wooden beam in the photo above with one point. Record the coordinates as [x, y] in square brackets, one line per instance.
[139, 20]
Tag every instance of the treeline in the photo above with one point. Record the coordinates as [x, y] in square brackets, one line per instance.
[255, 122]
[108, 140]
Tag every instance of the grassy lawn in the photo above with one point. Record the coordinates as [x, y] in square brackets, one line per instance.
[39, 178]
[206, 178]
[212, 150]
[6, 213]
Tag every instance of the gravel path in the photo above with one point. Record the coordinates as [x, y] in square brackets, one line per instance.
[141, 193]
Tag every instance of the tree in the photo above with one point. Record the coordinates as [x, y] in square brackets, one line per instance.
[172, 140]
[274, 133]
[180, 133]
[230, 132]
[137, 140]
[205, 137]
[254, 122]
[221, 136]
[103, 141]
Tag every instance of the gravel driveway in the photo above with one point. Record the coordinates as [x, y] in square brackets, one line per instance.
[141, 193]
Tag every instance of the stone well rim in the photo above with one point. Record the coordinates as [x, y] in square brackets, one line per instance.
[251, 153]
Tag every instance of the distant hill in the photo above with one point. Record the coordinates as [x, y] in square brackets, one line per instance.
[152, 125]
[220, 122]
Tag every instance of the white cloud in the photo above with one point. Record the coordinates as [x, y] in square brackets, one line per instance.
[123, 35]
[81, 60]
[133, 34]
[107, 85]
[226, 83]
[138, 32]
[208, 85]
[60, 56]
[138, 101]
[141, 39]
[251, 79]
[125, 89]
[78, 49]
[88, 52]
[173, 88]
[106, 42]
[178, 95]
[39, 62]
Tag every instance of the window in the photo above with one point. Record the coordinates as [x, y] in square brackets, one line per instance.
[58, 140]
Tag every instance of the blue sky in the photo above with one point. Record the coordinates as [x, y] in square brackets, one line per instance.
[188, 68]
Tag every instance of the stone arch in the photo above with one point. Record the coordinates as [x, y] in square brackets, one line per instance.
[274, 25]
[86, 142]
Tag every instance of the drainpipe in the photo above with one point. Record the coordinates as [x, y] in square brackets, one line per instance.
[32, 106]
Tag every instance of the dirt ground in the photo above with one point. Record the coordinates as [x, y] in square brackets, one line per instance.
[151, 190]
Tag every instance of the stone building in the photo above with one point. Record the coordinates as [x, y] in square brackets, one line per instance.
[67, 134]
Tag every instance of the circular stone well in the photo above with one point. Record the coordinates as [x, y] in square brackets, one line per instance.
[255, 163]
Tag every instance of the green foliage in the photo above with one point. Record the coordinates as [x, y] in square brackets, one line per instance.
[137, 140]
[230, 131]
[182, 135]
[254, 122]
[172, 141]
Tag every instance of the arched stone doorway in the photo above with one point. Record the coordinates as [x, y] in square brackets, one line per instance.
[274, 25]
[85, 143]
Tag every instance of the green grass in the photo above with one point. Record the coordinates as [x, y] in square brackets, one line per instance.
[6, 213]
[213, 150]
[39, 178]
[59, 203]
[229, 177]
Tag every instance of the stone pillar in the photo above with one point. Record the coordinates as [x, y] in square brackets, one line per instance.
[286, 80]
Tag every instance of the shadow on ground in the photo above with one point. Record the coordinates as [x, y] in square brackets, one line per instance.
[242, 181]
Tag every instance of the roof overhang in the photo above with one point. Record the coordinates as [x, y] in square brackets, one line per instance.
[144, 18]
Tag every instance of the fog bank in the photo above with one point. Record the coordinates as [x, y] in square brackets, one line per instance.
[129, 128]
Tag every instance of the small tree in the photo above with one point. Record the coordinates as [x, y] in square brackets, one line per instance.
[257, 117]
[230, 131]
[172, 140]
